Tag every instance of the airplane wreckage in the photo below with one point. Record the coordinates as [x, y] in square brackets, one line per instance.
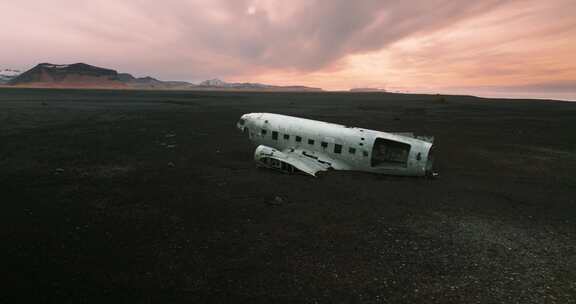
[293, 145]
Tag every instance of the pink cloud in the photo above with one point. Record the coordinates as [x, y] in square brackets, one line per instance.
[335, 44]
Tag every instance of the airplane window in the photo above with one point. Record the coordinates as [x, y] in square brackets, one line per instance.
[286, 136]
[263, 132]
[324, 144]
[298, 139]
[310, 141]
[352, 150]
[337, 148]
[275, 135]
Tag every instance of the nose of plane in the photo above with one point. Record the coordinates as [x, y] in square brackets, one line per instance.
[241, 123]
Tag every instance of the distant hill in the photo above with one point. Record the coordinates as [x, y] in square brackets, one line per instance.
[64, 75]
[250, 86]
[81, 75]
[367, 90]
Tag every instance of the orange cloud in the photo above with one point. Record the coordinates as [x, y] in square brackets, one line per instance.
[419, 45]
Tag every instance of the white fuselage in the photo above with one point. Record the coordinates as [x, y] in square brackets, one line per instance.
[345, 148]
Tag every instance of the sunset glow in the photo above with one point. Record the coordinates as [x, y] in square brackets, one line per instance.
[486, 48]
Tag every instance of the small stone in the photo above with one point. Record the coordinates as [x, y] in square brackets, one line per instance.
[276, 201]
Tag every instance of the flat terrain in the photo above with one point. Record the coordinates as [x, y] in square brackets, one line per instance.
[143, 196]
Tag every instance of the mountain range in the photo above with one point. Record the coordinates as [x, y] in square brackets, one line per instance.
[81, 75]
[368, 90]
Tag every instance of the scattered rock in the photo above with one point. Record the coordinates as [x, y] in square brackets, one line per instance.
[276, 201]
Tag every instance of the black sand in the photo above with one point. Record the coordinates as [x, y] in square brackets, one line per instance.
[153, 197]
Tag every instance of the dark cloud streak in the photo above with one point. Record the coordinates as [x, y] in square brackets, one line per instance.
[318, 33]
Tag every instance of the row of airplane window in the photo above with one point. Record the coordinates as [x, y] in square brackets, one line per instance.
[337, 147]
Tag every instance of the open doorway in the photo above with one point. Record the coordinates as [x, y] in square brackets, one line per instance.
[387, 152]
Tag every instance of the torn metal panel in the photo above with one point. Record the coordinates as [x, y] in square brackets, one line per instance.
[271, 158]
[429, 139]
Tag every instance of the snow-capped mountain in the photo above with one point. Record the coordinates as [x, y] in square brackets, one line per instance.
[217, 83]
[214, 83]
[8, 74]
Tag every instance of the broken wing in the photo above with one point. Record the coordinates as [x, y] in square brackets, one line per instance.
[290, 160]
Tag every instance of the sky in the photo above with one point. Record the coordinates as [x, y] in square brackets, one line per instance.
[514, 48]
